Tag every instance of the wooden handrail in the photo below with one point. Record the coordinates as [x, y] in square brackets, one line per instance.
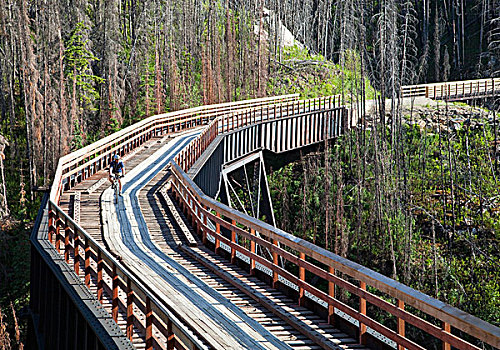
[224, 118]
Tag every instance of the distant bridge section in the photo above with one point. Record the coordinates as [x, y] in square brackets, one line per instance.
[454, 90]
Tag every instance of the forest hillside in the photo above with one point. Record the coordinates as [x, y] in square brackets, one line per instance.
[72, 72]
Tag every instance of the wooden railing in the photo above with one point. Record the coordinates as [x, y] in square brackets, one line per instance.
[209, 217]
[203, 210]
[81, 164]
[454, 89]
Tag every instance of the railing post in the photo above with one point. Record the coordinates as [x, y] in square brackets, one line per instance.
[76, 252]
[205, 224]
[401, 324]
[197, 214]
[114, 301]
[217, 240]
[58, 235]
[362, 311]
[99, 275]
[191, 210]
[331, 293]
[149, 325]
[52, 229]
[66, 241]
[87, 262]
[447, 329]
[252, 250]
[170, 335]
[275, 263]
[130, 309]
[233, 240]
[302, 278]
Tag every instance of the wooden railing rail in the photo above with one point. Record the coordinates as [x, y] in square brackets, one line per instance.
[453, 89]
[82, 163]
[202, 209]
[127, 291]
[249, 116]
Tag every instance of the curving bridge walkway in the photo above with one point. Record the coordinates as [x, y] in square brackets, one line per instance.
[148, 245]
[166, 266]
[126, 231]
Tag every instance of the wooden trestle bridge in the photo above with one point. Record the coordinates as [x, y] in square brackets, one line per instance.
[169, 267]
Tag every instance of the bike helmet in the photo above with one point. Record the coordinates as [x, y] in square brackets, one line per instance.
[115, 157]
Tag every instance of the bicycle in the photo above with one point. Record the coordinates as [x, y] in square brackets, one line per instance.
[116, 186]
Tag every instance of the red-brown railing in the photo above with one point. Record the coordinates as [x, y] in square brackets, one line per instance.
[203, 209]
[80, 249]
[130, 297]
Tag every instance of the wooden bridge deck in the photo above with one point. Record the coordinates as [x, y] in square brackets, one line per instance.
[229, 308]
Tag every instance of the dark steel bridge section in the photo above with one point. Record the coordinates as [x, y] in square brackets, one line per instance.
[276, 135]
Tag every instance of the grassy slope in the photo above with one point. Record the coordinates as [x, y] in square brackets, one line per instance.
[313, 75]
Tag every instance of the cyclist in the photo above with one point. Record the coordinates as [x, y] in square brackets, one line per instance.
[117, 168]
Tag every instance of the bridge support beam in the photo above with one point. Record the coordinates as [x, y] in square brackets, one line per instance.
[255, 187]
